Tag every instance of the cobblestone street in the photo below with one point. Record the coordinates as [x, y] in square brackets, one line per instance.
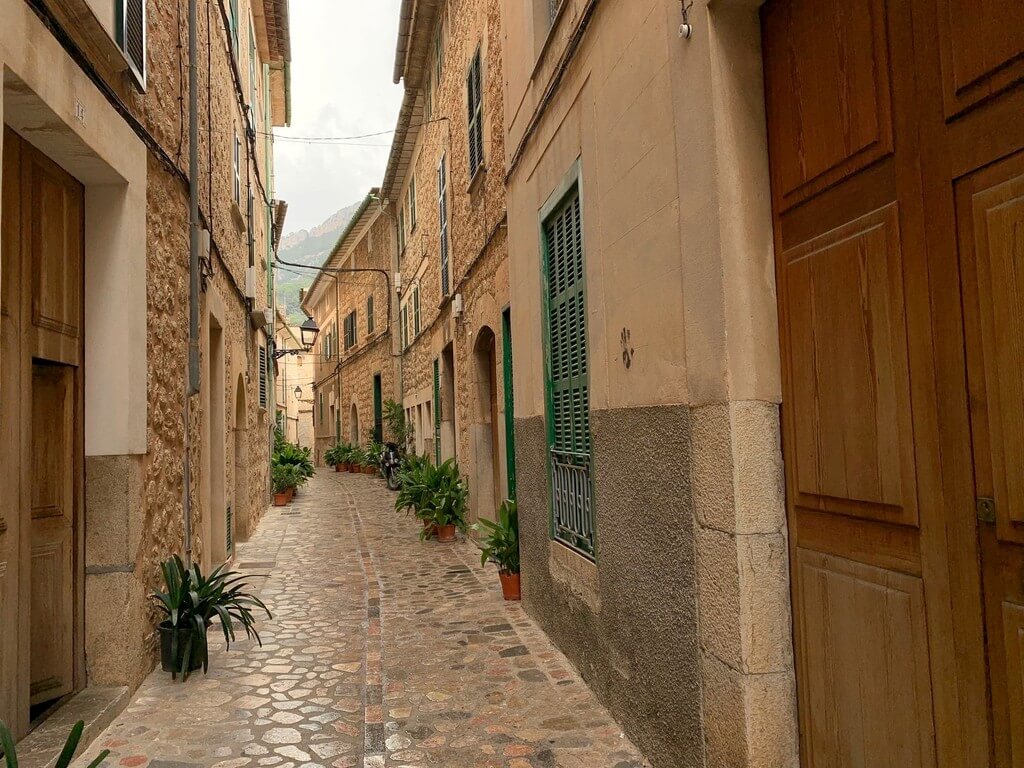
[383, 651]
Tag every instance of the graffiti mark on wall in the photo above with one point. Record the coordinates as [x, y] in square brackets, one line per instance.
[627, 348]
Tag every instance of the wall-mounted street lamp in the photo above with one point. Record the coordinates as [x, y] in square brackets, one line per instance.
[298, 393]
[308, 332]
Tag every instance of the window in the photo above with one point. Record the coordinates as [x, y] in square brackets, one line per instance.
[234, 26]
[567, 386]
[236, 167]
[252, 66]
[405, 326]
[412, 203]
[350, 330]
[401, 229]
[439, 52]
[553, 6]
[263, 363]
[130, 34]
[320, 407]
[474, 84]
[416, 310]
[442, 214]
[429, 93]
[369, 314]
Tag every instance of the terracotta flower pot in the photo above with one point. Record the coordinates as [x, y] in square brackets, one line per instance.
[510, 586]
[369, 470]
[291, 494]
[353, 468]
[339, 467]
[281, 499]
[446, 533]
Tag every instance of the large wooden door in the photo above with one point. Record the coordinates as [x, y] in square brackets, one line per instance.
[896, 129]
[41, 439]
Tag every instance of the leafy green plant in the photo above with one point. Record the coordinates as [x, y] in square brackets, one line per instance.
[445, 502]
[66, 754]
[500, 543]
[192, 600]
[372, 453]
[284, 477]
[398, 428]
[414, 474]
[293, 455]
[338, 454]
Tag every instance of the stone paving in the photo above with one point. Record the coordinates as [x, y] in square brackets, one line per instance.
[384, 651]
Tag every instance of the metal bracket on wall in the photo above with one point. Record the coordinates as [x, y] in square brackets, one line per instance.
[685, 29]
[986, 510]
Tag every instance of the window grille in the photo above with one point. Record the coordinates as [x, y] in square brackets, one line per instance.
[568, 388]
[474, 85]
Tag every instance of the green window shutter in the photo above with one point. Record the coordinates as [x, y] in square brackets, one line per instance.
[437, 412]
[568, 379]
[369, 314]
[416, 310]
[263, 376]
[130, 35]
[510, 436]
[234, 26]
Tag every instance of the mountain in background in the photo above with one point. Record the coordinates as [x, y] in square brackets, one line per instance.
[310, 247]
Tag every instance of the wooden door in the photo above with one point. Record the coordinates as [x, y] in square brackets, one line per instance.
[52, 532]
[41, 438]
[895, 137]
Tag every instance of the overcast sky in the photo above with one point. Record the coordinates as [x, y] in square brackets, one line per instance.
[343, 54]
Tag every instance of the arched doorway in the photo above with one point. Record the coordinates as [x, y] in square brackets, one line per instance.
[353, 426]
[483, 431]
[238, 515]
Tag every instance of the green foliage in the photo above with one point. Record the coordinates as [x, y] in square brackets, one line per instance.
[66, 754]
[415, 475]
[285, 477]
[500, 543]
[400, 431]
[446, 502]
[292, 455]
[341, 453]
[371, 456]
[192, 600]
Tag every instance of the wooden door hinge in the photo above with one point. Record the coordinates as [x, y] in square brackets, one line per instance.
[986, 508]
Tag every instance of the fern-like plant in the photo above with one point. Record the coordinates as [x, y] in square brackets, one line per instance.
[66, 754]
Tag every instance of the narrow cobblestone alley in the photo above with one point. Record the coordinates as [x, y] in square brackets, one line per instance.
[383, 651]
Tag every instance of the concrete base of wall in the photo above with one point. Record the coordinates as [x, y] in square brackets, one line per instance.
[682, 625]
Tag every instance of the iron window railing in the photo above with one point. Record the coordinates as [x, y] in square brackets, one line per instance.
[572, 500]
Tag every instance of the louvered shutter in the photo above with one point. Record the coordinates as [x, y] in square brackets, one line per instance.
[416, 310]
[369, 314]
[131, 35]
[475, 105]
[568, 372]
[437, 412]
[263, 376]
[442, 210]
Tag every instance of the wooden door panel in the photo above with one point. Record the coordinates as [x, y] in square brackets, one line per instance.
[52, 500]
[1013, 629]
[865, 674]
[982, 44]
[829, 64]
[850, 396]
[53, 220]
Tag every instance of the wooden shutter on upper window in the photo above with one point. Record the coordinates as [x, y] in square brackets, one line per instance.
[474, 97]
[263, 376]
[131, 36]
[442, 206]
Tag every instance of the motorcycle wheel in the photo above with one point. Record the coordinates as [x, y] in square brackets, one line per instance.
[393, 482]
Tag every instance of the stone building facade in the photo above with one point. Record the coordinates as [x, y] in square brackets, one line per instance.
[293, 384]
[352, 301]
[95, 106]
[445, 182]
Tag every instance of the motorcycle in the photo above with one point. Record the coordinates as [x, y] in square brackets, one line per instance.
[390, 462]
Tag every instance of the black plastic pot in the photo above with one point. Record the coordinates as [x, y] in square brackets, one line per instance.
[171, 657]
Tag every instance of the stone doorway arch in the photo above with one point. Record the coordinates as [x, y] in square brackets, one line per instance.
[353, 425]
[485, 490]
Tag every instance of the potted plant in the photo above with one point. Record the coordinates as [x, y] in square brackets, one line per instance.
[355, 459]
[283, 478]
[190, 604]
[66, 754]
[371, 460]
[335, 457]
[417, 480]
[500, 545]
[446, 503]
[293, 456]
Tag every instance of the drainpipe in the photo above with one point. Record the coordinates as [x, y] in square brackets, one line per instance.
[192, 375]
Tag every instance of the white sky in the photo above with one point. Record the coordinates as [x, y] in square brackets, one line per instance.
[343, 54]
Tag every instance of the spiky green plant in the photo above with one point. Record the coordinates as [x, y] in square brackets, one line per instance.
[66, 754]
[193, 599]
[500, 543]
[446, 497]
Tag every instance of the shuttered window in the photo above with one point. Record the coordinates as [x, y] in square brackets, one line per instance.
[412, 203]
[416, 310]
[234, 26]
[236, 167]
[437, 412]
[405, 326]
[568, 387]
[263, 376]
[474, 94]
[401, 230]
[553, 6]
[442, 212]
[369, 314]
[130, 34]
[350, 330]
